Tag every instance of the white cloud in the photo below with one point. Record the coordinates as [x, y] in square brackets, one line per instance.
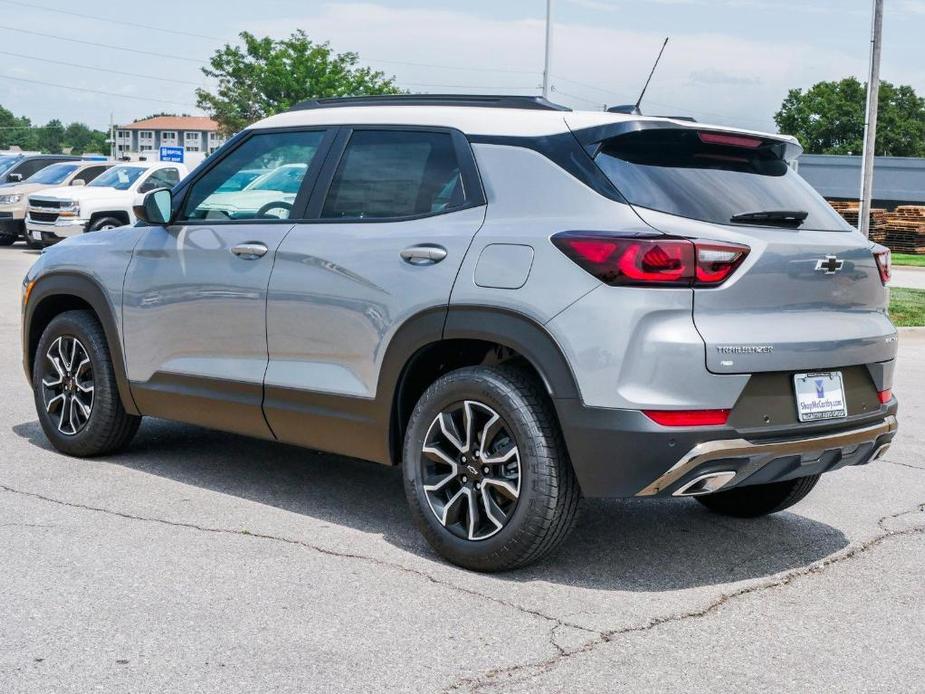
[713, 76]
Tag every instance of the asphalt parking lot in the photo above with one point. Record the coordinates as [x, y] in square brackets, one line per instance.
[200, 561]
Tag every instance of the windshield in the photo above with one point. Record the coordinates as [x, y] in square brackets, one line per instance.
[54, 174]
[285, 179]
[119, 177]
[711, 177]
[7, 162]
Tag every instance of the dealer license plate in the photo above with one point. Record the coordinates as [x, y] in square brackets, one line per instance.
[820, 396]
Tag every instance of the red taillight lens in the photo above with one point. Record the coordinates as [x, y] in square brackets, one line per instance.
[884, 258]
[688, 418]
[885, 396]
[625, 260]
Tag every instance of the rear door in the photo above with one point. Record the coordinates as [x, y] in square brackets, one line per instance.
[809, 294]
[194, 309]
[394, 220]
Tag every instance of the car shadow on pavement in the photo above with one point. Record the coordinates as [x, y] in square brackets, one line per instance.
[619, 544]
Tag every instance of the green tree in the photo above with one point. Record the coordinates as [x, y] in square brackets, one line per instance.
[82, 140]
[16, 131]
[828, 118]
[266, 76]
[50, 138]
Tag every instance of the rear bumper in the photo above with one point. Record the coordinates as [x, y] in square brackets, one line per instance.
[621, 453]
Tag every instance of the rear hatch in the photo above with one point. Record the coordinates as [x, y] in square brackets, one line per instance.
[809, 295]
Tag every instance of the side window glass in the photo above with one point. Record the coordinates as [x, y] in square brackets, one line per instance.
[162, 178]
[395, 173]
[90, 173]
[258, 180]
[28, 168]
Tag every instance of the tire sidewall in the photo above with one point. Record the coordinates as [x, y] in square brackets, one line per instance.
[84, 327]
[104, 221]
[484, 386]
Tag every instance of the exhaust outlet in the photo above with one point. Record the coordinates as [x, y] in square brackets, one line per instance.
[706, 484]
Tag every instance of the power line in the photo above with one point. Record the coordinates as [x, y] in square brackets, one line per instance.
[110, 20]
[465, 86]
[99, 69]
[452, 67]
[96, 91]
[102, 45]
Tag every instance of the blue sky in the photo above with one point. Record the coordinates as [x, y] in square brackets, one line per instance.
[729, 61]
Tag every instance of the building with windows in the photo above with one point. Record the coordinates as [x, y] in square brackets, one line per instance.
[197, 135]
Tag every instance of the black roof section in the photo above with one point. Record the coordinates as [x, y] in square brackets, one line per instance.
[530, 103]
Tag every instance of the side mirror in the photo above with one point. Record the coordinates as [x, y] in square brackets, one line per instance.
[14, 178]
[78, 182]
[156, 207]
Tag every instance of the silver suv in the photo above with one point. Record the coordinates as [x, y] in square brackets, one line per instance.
[520, 304]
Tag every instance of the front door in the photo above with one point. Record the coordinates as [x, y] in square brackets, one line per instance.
[391, 231]
[195, 293]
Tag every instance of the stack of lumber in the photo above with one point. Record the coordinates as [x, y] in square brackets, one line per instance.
[879, 218]
[905, 229]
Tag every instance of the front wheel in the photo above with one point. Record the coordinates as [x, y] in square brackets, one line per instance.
[105, 224]
[75, 389]
[759, 499]
[486, 472]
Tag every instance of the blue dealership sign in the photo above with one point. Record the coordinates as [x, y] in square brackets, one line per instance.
[174, 154]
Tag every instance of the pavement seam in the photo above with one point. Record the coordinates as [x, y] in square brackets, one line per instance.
[893, 462]
[524, 672]
[557, 622]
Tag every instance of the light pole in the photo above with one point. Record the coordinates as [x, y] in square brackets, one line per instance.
[870, 122]
[546, 76]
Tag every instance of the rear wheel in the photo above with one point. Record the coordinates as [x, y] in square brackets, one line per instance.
[75, 389]
[759, 499]
[486, 472]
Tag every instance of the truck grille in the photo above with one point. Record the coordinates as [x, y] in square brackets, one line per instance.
[43, 216]
[47, 204]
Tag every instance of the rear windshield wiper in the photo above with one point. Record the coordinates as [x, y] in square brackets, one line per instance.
[783, 218]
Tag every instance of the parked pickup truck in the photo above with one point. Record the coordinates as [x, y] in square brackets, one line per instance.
[106, 203]
[14, 196]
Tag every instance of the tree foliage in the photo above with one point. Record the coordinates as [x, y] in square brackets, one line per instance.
[266, 76]
[828, 118]
[52, 138]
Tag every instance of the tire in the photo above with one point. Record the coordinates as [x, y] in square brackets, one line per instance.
[760, 499]
[33, 244]
[105, 224]
[521, 528]
[98, 424]
[6, 240]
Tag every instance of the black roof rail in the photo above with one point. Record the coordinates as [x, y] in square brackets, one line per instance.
[531, 103]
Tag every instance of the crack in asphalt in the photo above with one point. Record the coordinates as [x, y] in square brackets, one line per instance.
[527, 671]
[556, 621]
[893, 462]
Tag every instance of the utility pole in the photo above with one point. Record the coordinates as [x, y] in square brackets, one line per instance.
[112, 137]
[546, 76]
[870, 122]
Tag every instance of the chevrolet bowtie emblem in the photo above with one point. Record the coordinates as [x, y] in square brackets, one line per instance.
[830, 264]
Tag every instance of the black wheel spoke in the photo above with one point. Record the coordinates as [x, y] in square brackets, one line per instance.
[470, 470]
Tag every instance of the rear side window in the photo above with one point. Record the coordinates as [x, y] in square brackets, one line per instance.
[710, 178]
[162, 178]
[393, 174]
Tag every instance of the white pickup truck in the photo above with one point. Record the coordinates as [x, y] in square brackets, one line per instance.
[105, 203]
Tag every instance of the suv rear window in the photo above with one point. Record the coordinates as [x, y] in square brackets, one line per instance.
[676, 172]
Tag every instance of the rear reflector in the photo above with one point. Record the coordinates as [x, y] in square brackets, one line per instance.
[730, 140]
[663, 261]
[885, 396]
[688, 418]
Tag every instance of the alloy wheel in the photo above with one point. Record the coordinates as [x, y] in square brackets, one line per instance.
[68, 385]
[470, 467]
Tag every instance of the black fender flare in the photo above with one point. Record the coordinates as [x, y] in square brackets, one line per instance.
[74, 284]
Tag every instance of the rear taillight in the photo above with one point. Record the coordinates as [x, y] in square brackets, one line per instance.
[663, 261]
[688, 418]
[885, 396]
[884, 258]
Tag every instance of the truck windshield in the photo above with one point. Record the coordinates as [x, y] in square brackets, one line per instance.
[119, 177]
[7, 162]
[52, 175]
[712, 177]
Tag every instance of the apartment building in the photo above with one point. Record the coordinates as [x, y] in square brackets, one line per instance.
[197, 135]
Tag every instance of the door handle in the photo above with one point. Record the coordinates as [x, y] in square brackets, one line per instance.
[250, 251]
[423, 254]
